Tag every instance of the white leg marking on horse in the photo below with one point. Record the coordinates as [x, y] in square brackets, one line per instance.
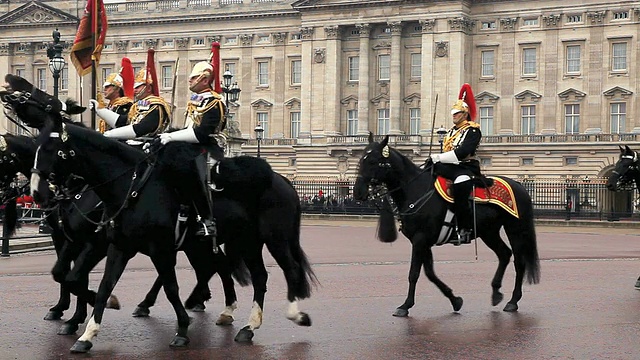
[90, 331]
[228, 310]
[255, 320]
[35, 180]
[293, 313]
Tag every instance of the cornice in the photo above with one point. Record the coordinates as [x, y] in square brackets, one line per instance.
[195, 18]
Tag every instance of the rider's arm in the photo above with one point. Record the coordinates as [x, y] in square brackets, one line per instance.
[469, 144]
[150, 123]
[209, 123]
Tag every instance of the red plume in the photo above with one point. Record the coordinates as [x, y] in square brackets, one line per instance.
[151, 71]
[215, 63]
[127, 77]
[466, 95]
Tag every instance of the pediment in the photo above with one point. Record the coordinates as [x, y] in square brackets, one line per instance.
[294, 102]
[376, 100]
[261, 103]
[617, 92]
[411, 98]
[349, 99]
[486, 97]
[528, 95]
[35, 13]
[571, 94]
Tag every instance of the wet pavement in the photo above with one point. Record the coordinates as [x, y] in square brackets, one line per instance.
[584, 308]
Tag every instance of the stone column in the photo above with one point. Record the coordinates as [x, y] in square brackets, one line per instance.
[363, 79]
[396, 79]
[29, 53]
[427, 93]
[5, 68]
[182, 93]
[307, 84]
[333, 60]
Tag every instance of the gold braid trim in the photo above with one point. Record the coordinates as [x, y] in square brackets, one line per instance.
[120, 101]
[153, 101]
[450, 139]
[193, 108]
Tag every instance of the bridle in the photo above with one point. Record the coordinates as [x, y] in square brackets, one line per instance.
[623, 175]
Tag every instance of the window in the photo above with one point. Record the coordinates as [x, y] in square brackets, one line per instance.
[136, 68]
[487, 63]
[618, 117]
[528, 120]
[296, 72]
[573, 59]
[619, 58]
[354, 67]
[486, 120]
[295, 124]
[527, 161]
[263, 120]
[167, 43]
[231, 40]
[414, 121]
[167, 76]
[620, 15]
[571, 160]
[384, 67]
[296, 36]
[198, 41]
[486, 25]
[263, 73]
[64, 79]
[20, 72]
[383, 121]
[231, 66]
[108, 46]
[530, 22]
[42, 78]
[485, 161]
[416, 66]
[136, 45]
[572, 119]
[574, 18]
[263, 38]
[105, 72]
[529, 61]
[352, 122]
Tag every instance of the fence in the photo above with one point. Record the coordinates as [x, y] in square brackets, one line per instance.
[571, 198]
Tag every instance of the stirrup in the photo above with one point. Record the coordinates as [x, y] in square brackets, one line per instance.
[464, 237]
[206, 228]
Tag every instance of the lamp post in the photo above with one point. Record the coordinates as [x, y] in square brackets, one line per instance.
[259, 130]
[230, 89]
[441, 133]
[56, 61]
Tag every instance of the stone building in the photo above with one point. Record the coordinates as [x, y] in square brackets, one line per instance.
[555, 82]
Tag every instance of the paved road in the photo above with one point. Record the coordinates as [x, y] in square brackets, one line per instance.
[584, 308]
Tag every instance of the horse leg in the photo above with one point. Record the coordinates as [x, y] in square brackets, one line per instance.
[165, 262]
[56, 312]
[77, 279]
[259, 277]
[495, 243]
[519, 265]
[417, 250]
[456, 301]
[59, 271]
[116, 263]
[204, 269]
[142, 310]
[228, 287]
[71, 326]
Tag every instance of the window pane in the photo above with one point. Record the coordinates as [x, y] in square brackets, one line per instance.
[573, 58]
[263, 73]
[619, 56]
[528, 120]
[529, 62]
[383, 121]
[354, 66]
[416, 65]
[486, 120]
[296, 71]
[384, 68]
[487, 63]
[352, 122]
[618, 117]
[295, 124]
[64, 79]
[42, 79]
[263, 120]
[167, 76]
[414, 121]
[572, 119]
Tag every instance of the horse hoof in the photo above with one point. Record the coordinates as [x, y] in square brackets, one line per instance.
[496, 298]
[198, 308]
[81, 347]
[141, 312]
[53, 315]
[303, 319]
[179, 341]
[113, 303]
[400, 312]
[510, 307]
[224, 320]
[68, 329]
[456, 302]
[244, 335]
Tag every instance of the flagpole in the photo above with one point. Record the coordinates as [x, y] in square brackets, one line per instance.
[94, 31]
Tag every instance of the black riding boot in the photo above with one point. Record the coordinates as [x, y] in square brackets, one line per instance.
[202, 202]
[464, 217]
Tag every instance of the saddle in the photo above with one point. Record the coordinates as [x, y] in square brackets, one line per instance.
[498, 193]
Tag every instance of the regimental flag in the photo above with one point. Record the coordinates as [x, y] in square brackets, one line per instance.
[93, 25]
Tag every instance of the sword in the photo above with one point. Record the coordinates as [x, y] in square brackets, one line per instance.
[173, 88]
[433, 124]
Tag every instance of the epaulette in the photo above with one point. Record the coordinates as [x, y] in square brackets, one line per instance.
[121, 101]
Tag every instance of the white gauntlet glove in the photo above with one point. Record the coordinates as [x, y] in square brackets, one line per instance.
[122, 133]
[186, 135]
[105, 114]
[446, 158]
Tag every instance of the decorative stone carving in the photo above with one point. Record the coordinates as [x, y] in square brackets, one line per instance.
[508, 23]
[382, 45]
[364, 29]
[279, 37]
[27, 47]
[4, 49]
[551, 20]
[182, 43]
[332, 32]
[37, 16]
[442, 48]
[233, 127]
[319, 55]
[596, 16]
[306, 32]
[396, 27]
[246, 39]
[428, 25]
[151, 43]
[216, 38]
[121, 45]
[462, 23]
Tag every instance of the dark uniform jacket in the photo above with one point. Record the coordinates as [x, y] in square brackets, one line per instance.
[205, 114]
[463, 141]
[149, 116]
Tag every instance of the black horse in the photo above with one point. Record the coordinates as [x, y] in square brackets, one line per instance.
[269, 199]
[422, 214]
[626, 173]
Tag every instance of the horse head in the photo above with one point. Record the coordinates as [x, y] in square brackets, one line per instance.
[34, 107]
[626, 169]
[374, 167]
[16, 156]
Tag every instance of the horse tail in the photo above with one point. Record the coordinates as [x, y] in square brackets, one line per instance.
[305, 274]
[530, 252]
[387, 231]
[240, 272]
[10, 217]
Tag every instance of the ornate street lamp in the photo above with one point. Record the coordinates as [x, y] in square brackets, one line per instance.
[259, 130]
[441, 133]
[56, 61]
[231, 90]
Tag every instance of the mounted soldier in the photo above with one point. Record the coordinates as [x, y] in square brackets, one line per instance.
[149, 114]
[117, 90]
[204, 120]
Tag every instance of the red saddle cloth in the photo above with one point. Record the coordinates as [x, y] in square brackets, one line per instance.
[499, 194]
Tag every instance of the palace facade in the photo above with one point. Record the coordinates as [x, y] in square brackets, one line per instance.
[556, 83]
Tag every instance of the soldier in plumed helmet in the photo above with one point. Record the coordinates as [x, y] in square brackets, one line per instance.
[458, 162]
[117, 90]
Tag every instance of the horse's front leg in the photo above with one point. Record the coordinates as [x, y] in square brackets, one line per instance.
[142, 310]
[59, 271]
[255, 264]
[71, 326]
[228, 286]
[418, 248]
[456, 301]
[116, 263]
